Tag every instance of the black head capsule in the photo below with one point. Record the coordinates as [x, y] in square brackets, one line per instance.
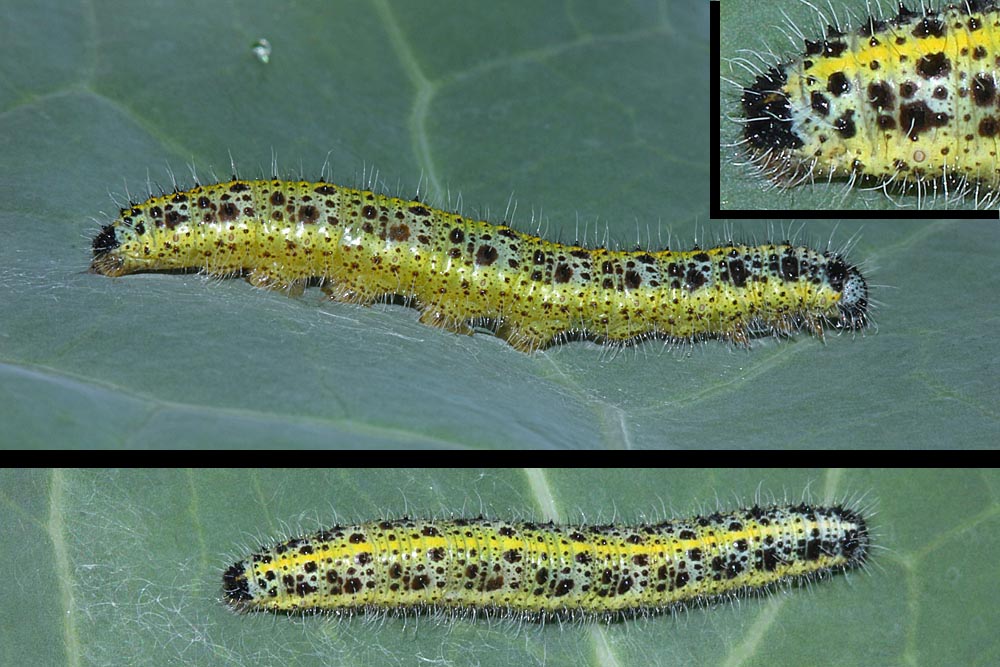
[106, 261]
[106, 240]
[851, 284]
[235, 587]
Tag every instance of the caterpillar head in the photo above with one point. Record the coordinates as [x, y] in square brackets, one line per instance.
[851, 284]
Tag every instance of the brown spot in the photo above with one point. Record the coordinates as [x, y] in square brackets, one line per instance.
[308, 214]
[988, 127]
[486, 255]
[400, 232]
[632, 280]
[562, 273]
[228, 211]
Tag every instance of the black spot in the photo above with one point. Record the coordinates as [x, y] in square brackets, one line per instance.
[563, 587]
[825, 48]
[681, 579]
[632, 280]
[694, 279]
[930, 26]
[419, 210]
[984, 89]
[916, 118]
[512, 556]
[369, 212]
[304, 588]
[933, 64]
[541, 576]
[845, 124]
[880, 96]
[838, 84]
[419, 582]
[820, 103]
[789, 267]
[352, 585]
[738, 272]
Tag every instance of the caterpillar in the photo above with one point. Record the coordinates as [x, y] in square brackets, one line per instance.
[546, 570]
[905, 104]
[461, 273]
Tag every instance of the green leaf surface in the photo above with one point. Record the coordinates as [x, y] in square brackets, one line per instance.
[124, 568]
[760, 34]
[594, 115]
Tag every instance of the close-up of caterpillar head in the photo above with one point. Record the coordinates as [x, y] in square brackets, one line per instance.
[145, 237]
[106, 260]
[853, 305]
[117, 248]
[235, 587]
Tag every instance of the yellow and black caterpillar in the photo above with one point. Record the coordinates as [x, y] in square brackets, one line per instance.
[544, 570]
[360, 246]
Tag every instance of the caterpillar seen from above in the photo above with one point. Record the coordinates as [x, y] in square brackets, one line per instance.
[905, 103]
[540, 571]
[360, 247]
